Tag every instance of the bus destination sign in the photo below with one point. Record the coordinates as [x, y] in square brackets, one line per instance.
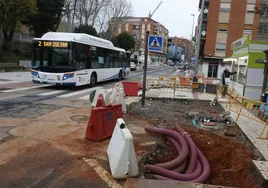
[54, 44]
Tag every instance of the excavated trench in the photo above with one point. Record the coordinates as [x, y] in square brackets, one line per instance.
[229, 155]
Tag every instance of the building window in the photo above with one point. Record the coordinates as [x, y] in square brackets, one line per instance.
[149, 27]
[126, 27]
[263, 29]
[247, 31]
[119, 28]
[213, 70]
[220, 47]
[223, 30]
[225, 7]
[143, 32]
[136, 27]
[250, 8]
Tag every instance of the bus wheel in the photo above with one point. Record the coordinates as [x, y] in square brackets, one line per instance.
[93, 79]
[120, 76]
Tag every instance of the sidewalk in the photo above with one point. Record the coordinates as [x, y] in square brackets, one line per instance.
[252, 130]
[10, 80]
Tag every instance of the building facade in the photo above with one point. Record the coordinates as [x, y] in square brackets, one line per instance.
[185, 45]
[137, 27]
[224, 21]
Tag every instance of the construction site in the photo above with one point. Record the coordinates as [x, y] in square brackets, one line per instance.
[185, 135]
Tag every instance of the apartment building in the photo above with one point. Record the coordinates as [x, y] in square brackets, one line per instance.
[137, 26]
[185, 44]
[224, 22]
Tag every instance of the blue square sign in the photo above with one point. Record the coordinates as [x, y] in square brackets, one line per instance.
[155, 43]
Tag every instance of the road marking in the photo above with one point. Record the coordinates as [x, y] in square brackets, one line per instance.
[24, 88]
[78, 92]
[86, 97]
[51, 93]
[104, 175]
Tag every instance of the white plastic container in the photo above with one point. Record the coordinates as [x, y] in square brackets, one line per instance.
[121, 153]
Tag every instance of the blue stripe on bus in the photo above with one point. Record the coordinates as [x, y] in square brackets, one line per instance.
[115, 76]
[112, 77]
[58, 84]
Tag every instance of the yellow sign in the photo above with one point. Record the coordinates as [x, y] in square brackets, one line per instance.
[53, 44]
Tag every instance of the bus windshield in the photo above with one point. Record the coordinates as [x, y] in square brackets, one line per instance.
[52, 59]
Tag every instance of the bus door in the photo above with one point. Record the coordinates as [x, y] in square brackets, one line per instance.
[81, 63]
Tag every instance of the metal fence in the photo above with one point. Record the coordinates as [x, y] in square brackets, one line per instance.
[252, 109]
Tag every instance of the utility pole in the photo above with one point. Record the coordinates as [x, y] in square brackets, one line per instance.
[146, 57]
[197, 51]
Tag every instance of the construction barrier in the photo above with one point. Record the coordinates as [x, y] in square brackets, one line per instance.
[175, 85]
[131, 88]
[102, 120]
[249, 108]
[121, 153]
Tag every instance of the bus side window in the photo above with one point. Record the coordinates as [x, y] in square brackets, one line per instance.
[108, 59]
[101, 59]
[121, 59]
[115, 59]
[94, 58]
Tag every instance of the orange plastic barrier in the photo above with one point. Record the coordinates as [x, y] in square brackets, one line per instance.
[102, 120]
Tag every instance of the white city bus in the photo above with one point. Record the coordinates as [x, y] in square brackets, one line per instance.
[76, 59]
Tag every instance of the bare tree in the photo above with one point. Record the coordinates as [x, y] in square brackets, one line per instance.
[111, 16]
[70, 13]
[89, 10]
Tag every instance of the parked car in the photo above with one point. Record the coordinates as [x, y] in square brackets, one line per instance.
[133, 64]
[172, 63]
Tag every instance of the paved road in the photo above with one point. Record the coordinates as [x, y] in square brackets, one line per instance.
[35, 100]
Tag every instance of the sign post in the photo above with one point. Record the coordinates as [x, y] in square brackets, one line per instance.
[145, 69]
[155, 44]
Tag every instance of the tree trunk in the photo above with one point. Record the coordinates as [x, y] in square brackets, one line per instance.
[8, 36]
[75, 3]
[58, 23]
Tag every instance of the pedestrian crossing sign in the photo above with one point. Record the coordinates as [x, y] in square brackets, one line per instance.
[155, 43]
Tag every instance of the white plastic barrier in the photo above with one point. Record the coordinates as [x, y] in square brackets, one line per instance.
[121, 153]
[116, 96]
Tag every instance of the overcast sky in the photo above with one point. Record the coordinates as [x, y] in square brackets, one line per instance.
[175, 15]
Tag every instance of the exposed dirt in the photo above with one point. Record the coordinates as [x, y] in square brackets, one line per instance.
[230, 155]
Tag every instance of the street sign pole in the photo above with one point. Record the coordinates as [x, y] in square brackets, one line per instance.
[145, 68]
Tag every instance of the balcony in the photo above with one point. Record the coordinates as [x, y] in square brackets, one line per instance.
[205, 17]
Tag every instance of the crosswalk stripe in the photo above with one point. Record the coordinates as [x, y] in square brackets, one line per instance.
[51, 93]
[24, 88]
[86, 97]
[77, 93]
